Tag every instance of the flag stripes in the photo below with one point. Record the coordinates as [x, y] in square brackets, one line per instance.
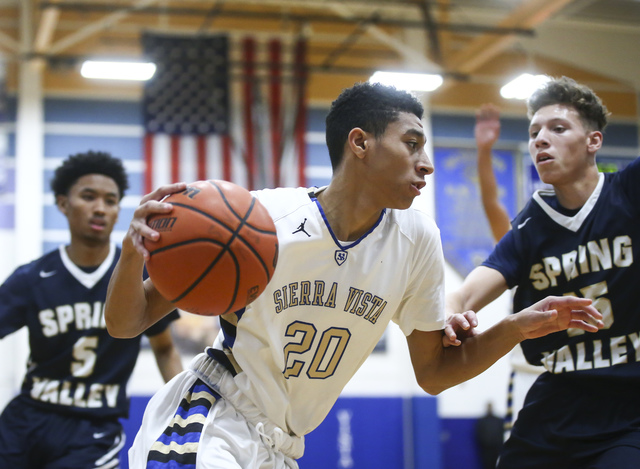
[252, 131]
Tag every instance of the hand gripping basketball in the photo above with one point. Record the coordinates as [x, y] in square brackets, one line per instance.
[217, 248]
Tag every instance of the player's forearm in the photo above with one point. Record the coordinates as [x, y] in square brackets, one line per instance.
[480, 287]
[126, 304]
[496, 212]
[455, 303]
[169, 363]
[476, 354]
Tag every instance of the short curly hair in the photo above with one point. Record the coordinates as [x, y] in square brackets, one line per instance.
[369, 106]
[564, 90]
[90, 162]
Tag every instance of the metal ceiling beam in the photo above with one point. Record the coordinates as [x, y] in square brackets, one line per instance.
[411, 55]
[480, 50]
[9, 43]
[48, 23]
[300, 18]
[71, 61]
[95, 27]
[347, 43]
[431, 30]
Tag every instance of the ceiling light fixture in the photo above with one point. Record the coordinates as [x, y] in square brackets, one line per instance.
[139, 71]
[523, 86]
[408, 81]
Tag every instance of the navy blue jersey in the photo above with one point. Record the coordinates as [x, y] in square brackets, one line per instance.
[75, 366]
[594, 253]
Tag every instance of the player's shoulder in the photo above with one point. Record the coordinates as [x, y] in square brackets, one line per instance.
[282, 201]
[629, 174]
[415, 223]
[532, 211]
[41, 267]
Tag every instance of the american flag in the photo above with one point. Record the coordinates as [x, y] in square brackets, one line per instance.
[201, 124]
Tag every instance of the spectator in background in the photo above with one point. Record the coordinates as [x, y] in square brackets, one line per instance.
[489, 437]
[66, 415]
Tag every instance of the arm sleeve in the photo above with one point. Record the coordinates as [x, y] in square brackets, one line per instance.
[14, 303]
[422, 307]
[505, 259]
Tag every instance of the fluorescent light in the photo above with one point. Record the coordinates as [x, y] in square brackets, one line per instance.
[408, 81]
[523, 86]
[139, 71]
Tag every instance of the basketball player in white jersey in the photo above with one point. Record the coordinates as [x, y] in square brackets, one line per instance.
[353, 256]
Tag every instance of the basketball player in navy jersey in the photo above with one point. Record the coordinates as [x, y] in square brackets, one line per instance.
[66, 415]
[353, 256]
[581, 238]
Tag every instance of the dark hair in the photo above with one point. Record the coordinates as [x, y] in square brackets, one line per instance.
[91, 162]
[371, 107]
[593, 112]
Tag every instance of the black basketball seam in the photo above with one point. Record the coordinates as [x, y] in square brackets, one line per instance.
[243, 222]
[233, 232]
[237, 215]
[183, 243]
[225, 247]
[208, 215]
[208, 269]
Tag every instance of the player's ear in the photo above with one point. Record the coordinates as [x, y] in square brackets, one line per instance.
[357, 141]
[62, 201]
[594, 141]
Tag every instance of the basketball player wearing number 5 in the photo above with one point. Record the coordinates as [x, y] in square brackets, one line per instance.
[353, 256]
[74, 392]
[582, 238]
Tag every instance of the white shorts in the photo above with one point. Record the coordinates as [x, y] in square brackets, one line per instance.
[201, 420]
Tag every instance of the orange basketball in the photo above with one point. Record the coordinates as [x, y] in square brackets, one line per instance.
[217, 248]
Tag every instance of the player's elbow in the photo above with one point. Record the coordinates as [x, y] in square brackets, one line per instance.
[432, 388]
[117, 329]
[432, 382]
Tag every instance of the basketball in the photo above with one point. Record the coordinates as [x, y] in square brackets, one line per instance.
[217, 249]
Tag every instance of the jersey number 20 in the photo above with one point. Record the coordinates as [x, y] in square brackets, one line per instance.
[326, 355]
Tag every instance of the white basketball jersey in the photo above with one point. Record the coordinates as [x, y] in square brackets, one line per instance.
[328, 304]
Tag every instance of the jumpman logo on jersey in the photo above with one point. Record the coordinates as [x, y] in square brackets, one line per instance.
[301, 228]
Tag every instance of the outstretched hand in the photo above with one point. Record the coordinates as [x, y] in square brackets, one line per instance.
[487, 128]
[459, 327]
[150, 204]
[558, 313]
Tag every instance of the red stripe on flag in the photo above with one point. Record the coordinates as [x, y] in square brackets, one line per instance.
[148, 159]
[226, 157]
[249, 50]
[275, 110]
[175, 158]
[301, 114]
[201, 142]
